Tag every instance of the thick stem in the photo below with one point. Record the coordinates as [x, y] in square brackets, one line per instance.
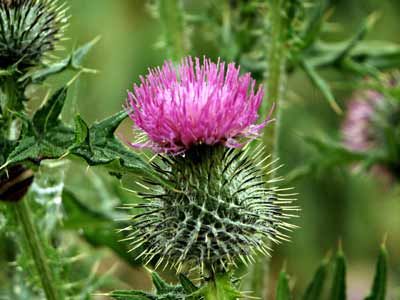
[33, 241]
[172, 19]
[12, 101]
[275, 73]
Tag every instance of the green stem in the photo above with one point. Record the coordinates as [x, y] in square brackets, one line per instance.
[11, 101]
[32, 239]
[275, 74]
[172, 19]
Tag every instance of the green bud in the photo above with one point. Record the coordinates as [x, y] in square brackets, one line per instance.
[220, 212]
[29, 29]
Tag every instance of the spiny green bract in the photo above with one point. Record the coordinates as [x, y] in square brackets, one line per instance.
[28, 30]
[219, 213]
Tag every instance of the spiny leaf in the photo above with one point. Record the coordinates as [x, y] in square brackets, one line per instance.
[360, 34]
[27, 148]
[38, 76]
[314, 289]
[160, 285]
[48, 115]
[338, 291]
[74, 61]
[315, 24]
[282, 289]
[98, 146]
[131, 295]
[187, 285]
[320, 83]
[6, 147]
[378, 291]
[81, 131]
[335, 153]
[80, 53]
[103, 148]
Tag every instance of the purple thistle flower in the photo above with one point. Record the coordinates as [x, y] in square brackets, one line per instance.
[371, 124]
[358, 129]
[209, 103]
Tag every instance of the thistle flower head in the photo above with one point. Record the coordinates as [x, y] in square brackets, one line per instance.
[220, 212]
[193, 104]
[29, 29]
[372, 123]
[371, 114]
[358, 129]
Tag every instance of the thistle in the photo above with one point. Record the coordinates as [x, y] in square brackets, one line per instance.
[29, 30]
[195, 104]
[372, 123]
[221, 210]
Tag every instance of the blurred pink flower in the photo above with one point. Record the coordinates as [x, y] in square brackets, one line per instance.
[358, 130]
[194, 103]
[361, 132]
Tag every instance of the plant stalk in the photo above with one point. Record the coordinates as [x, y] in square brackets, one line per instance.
[275, 74]
[33, 241]
[12, 101]
[172, 18]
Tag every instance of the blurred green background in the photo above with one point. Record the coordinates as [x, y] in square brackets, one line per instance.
[336, 204]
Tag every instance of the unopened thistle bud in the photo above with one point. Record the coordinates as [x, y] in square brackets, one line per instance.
[221, 209]
[29, 29]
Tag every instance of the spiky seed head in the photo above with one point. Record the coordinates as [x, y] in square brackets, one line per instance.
[220, 212]
[29, 29]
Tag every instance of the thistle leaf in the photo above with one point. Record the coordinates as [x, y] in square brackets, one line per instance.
[187, 285]
[81, 131]
[48, 115]
[160, 285]
[38, 76]
[314, 26]
[74, 61]
[338, 291]
[101, 147]
[321, 84]
[79, 54]
[282, 289]
[365, 27]
[378, 291]
[131, 295]
[26, 149]
[163, 291]
[48, 137]
[314, 289]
